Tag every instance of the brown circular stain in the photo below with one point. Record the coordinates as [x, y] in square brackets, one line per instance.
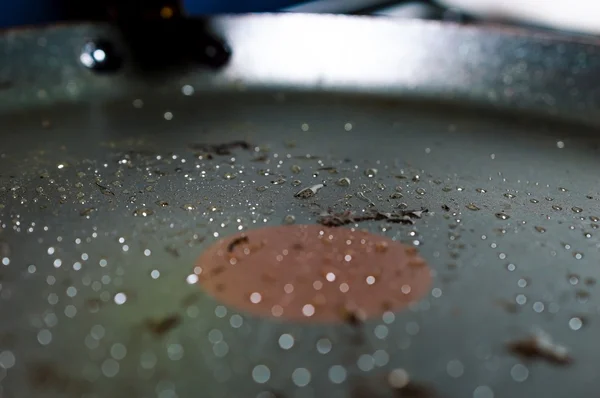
[313, 273]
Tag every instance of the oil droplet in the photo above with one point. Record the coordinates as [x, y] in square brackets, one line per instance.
[561, 189]
[447, 189]
[296, 183]
[420, 191]
[509, 195]
[473, 207]
[398, 378]
[343, 182]
[577, 209]
[188, 207]
[371, 173]
[455, 368]
[575, 323]
[594, 219]
[396, 195]
[289, 219]
[162, 203]
[255, 298]
[480, 190]
[590, 281]
[262, 188]
[556, 207]
[295, 168]
[541, 230]
[229, 176]
[534, 201]
[261, 374]
[519, 373]
[502, 216]
[577, 255]
[143, 212]
[308, 310]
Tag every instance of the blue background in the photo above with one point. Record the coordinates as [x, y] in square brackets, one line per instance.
[28, 12]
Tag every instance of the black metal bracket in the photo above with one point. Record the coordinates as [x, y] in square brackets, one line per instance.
[158, 36]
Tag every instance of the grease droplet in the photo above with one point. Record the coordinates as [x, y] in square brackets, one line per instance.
[371, 173]
[143, 212]
[502, 216]
[343, 182]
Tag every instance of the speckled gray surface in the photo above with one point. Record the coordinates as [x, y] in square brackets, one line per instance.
[84, 270]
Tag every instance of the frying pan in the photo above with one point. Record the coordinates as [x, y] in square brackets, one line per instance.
[105, 206]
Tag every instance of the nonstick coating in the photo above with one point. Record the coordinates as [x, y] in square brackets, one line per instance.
[105, 205]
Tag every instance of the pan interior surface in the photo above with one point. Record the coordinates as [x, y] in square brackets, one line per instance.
[105, 206]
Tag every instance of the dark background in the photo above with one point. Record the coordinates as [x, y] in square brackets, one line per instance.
[29, 12]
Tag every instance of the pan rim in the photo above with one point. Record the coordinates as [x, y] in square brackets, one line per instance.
[515, 69]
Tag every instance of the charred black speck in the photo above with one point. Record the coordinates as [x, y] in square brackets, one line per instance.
[173, 251]
[218, 270]
[48, 377]
[237, 241]
[534, 348]
[348, 217]
[94, 304]
[87, 212]
[330, 169]
[221, 149]
[190, 299]
[353, 318]
[160, 327]
[104, 190]
[509, 306]
[415, 390]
